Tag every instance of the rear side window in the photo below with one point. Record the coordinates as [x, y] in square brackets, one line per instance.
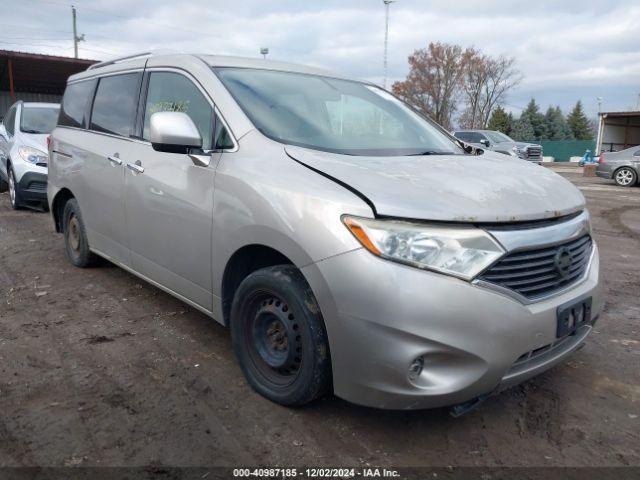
[114, 106]
[73, 110]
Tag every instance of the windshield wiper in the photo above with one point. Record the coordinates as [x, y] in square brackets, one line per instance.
[429, 152]
[29, 130]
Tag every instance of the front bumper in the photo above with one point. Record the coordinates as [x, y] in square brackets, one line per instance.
[381, 315]
[33, 187]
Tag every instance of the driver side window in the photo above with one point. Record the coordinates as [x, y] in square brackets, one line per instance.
[173, 92]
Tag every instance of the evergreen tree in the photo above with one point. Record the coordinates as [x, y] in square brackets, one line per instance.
[556, 127]
[500, 121]
[511, 123]
[522, 130]
[536, 119]
[579, 123]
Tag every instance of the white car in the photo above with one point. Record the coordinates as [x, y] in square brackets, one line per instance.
[23, 152]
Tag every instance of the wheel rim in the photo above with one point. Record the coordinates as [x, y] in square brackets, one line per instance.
[624, 176]
[74, 234]
[12, 188]
[273, 339]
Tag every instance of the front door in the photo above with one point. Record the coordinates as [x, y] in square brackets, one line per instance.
[169, 199]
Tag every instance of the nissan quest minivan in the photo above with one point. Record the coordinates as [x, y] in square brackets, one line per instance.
[349, 243]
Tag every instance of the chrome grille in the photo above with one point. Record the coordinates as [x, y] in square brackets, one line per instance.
[534, 152]
[535, 273]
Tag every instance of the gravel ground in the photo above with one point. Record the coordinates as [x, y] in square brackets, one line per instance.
[99, 368]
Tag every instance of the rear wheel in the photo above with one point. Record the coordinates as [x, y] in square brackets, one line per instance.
[75, 237]
[279, 336]
[625, 177]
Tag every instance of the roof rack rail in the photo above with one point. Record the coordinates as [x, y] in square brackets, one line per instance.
[150, 53]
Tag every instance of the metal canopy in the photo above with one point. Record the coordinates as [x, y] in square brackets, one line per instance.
[35, 73]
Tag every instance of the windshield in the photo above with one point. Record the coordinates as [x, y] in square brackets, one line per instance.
[333, 115]
[38, 119]
[497, 137]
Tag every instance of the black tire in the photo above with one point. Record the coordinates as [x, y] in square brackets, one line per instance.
[279, 336]
[14, 190]
[625, 177]
[75, 236]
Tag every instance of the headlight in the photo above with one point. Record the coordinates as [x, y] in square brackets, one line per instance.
[516, 152]
[459, 251]
[33, 155]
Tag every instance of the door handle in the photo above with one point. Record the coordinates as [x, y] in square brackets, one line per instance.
[135, 168]
[114, 160]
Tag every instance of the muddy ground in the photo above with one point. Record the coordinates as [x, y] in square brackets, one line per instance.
[99, 368]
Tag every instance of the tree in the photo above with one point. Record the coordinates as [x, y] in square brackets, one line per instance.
[536, 120]
[433, 81]
[556, 127]
[500, 121]
[579, 123]
[485, 83]
[522, 129]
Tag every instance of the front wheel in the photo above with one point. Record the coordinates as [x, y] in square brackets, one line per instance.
[626, 177]
[279, 336]
[14, 190]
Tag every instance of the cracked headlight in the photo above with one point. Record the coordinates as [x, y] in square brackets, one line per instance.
[460, 251]
[33, 155]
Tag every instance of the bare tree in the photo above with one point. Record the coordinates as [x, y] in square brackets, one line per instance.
[485, 83]
[434, 80]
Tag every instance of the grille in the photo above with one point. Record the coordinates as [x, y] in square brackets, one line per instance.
[37, 186]
[534, 152]
[534, 274]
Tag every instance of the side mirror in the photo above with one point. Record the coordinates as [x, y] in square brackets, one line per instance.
[485, 142]
[173, 132]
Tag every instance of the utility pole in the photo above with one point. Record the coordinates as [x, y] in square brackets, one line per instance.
[76, 38]
[386, 38]
[599, 100]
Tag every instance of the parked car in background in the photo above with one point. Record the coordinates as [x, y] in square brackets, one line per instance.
[350, 244]
[501, 143]
[23, 152]
[623, 166]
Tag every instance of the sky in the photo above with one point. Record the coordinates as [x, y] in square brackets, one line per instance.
[566, 50]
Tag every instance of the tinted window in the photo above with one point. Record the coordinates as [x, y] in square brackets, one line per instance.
[38, 119]
[114, 106]
[74, 104]
[222, 139]
[637, 153]
[10, 121]
[172, 92]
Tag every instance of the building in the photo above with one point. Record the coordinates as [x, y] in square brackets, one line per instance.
[617, 131]
[35, 78]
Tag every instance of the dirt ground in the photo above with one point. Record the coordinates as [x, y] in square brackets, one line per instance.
[99, 368]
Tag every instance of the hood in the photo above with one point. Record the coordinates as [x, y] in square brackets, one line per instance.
[517, 144]
[35, 140]
[487, 188]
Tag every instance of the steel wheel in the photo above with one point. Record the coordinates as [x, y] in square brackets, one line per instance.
[74, 234]
[625, 177]
[273, 339]
[279, 337]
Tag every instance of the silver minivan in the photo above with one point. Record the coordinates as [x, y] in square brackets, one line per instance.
[350, 244]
